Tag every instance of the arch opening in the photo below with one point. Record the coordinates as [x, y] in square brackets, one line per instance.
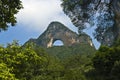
[58, 43]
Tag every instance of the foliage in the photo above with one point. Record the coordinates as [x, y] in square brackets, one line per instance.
[70, 6]
[106, 63]
[8, 9]
[86, 11]
[76, 67]
[76, 60]
[5, 73]
[33, 63]
[63, 52]
[24, 62]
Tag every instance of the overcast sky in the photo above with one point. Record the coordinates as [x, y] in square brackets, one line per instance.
[34, 19]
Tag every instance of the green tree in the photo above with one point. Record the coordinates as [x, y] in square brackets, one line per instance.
[8, 9]
[5, 73]
[76, 67]
[78, 11]
[107, 62]
[115, 72]
[24, 62]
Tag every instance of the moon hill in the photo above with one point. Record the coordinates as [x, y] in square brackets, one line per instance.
[72, 42]
[58, 31]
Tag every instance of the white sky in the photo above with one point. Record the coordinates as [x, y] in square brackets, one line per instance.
[37, 14]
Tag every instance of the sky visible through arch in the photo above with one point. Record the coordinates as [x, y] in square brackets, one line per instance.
[58, 43]
[34, 19]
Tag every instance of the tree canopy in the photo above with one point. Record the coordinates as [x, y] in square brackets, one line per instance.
[93, 13]
[107, 63]
[8, 9]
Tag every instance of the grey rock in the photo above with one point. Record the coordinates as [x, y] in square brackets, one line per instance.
[58, 31]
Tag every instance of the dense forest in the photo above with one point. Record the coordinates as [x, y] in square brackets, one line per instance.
[33, 63]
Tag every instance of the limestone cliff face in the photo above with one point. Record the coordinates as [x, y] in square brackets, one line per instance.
[101, 15]
[57, 31]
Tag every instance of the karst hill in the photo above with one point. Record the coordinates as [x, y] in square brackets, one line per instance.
[72, 42]
[58, 31]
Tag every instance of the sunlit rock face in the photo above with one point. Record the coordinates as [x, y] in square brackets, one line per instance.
[97, 14]
[58, 31]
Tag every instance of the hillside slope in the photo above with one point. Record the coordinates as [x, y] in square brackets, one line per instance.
[63, 52]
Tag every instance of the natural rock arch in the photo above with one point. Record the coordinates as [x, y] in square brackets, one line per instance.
[57, 31]
[58, 43]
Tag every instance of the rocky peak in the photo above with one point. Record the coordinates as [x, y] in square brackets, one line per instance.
[58, 31]
[56, 25]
